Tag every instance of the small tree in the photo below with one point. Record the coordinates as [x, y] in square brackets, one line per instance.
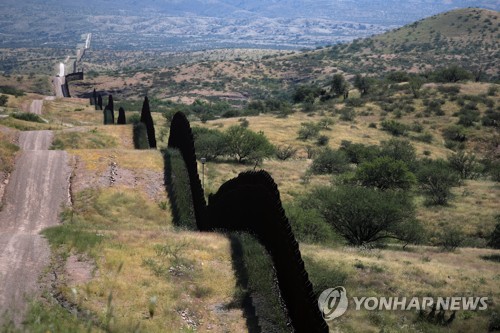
[358, 152]
[147, 120]
[416, 83]
[121, 116]
[3, 100]
[465, 164]
[285, 152]
[209, 143]
[363, 84]
[436, 180]
[363, 215]
[401, 150]
[330, 161]
[338, 85]
[308, 131]
[245, 144]
[385, 173]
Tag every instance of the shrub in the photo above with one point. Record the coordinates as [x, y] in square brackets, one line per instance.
[465, 164]
[491, 118]
[347, 114]
[322, 140]
[247, 145]
[308, 131]
[363, 215]
[455, 133]
[285, 152]
[306, 93]
[394, 127]
[494, 171]
[451, 74]
[308, 225]
[363, 83]
[26, 116]
[385, 173]
[401, 150]
[209, 143]
[134, 119]
[436, 180]
[450, 238]
[3, 100]
[354, 102]
[358, 152]
[330, 161]
[338, 85]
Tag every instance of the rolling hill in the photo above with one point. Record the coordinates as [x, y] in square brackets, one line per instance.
[122, 263]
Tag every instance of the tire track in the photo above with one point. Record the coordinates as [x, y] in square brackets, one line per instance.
[37, 188]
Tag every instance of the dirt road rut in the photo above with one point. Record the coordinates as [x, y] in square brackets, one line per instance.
[37, 188]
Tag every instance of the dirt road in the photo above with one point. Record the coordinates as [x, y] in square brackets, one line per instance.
[36, 106]
[37, 188]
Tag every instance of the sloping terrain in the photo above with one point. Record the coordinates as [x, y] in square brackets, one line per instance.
[37, 188]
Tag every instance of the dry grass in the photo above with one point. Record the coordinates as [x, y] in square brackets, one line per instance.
[99, 159]
[7, 152]
[472, 209]
[421, 272]
[191, 280]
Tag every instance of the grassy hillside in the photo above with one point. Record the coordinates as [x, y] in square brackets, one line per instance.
[123, 264]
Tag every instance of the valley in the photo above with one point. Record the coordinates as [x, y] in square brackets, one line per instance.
[408, 118]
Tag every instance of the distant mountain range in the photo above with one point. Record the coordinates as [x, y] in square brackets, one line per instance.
[198, 24]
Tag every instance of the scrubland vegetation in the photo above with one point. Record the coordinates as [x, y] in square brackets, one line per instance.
[388, 171]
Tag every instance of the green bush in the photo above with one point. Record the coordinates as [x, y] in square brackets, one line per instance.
[394, 127]
[209, 143]
[436, 179]
[465, 164]
[247, 145]
[455, 133]
[306, 93]
[11, 91]
[3, 100]
[308, 225]
[134, 119]
[354, 102]
[385, 173]
[451, 74]
[309, 130]
[285, 152]
[330, 162]
[347, 114]
[358, 152]
[363, 215]
[401, 150]
[26, 116]
[450, 238]
[322, 140]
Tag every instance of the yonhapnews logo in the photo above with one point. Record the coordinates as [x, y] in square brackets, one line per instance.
[333, 303]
